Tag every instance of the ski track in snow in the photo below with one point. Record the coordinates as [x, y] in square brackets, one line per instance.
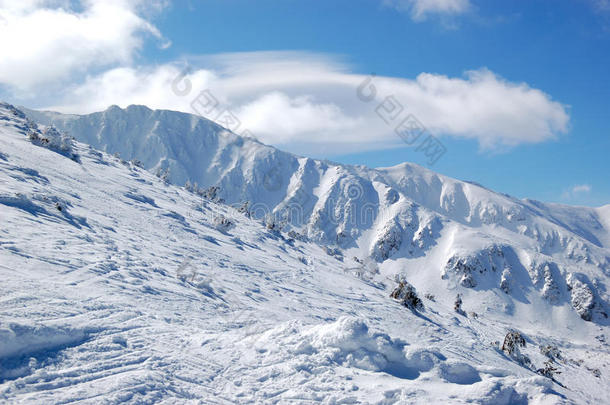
[129, 293]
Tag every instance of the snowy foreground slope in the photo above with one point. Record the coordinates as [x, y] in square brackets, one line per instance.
[120, 287]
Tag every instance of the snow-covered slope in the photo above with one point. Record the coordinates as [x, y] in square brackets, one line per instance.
[434, 229]
[120, 287]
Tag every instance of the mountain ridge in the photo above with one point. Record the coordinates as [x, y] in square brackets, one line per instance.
[399, 216]
[119, 285]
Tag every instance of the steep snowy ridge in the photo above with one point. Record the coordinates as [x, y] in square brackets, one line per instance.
[399, 216]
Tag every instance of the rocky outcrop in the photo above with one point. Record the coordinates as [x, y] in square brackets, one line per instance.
[468, 269]
[388, 242]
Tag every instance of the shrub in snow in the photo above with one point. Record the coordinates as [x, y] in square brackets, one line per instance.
[194, 188]
[118, 157]
[163, 174]
[54, 140]
[513, 341]
[548, 370]
[595, 372]
[332, 251]
[552, 352]
[271, 223]
[297, 236]
[13, 110]
[407, 295]
[211, 193]
[245, 209]
[457, 306]
[197, 190]
[222, 223]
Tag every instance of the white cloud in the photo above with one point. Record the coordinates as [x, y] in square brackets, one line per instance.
[47, 40]
[282, 118]
[78, 56]
[601, 5]
[576, 191]
[310, 100]
[420, 9]
[581, 188]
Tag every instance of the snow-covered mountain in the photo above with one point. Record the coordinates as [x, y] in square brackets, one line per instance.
[434, 229]
[119, 286]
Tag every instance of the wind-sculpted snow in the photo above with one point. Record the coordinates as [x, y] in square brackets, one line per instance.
[118, 286]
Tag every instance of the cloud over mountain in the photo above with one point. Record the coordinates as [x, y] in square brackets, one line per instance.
[289, 98]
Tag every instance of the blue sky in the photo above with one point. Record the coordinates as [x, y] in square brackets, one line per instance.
[534, 119]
